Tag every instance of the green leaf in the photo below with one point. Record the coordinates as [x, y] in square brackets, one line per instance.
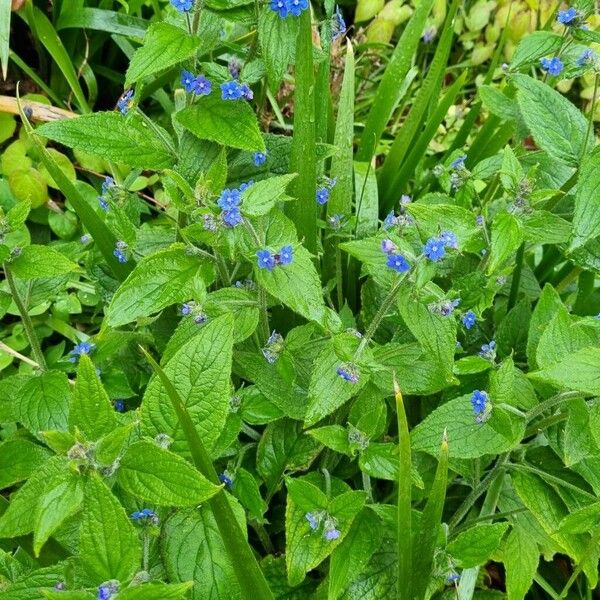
[228, 122]
[90, 410]
[164, 46]
[246, 489]
[43, 402]
[332, 436]
[582, 520]
[534, 46]
[193, 549]
[41, 261]
[260, 197]
[112, 136]
[507, 235]
[19, 458]
[61, 499]
[586, 219]
[159, 280]
[297, 285]
[557, 126]
[200, 371]
[579, 442]
[548, 303]
[102, 20]
[160, 476]
[109, 544]
[578, 371]
[156, 591]
[476, 545]
[5, 12]
[467, 438]
[520, 558]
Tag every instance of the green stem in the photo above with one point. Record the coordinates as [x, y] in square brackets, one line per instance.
[591, 547]
[339, 277]
[36, 349]
[542, 407]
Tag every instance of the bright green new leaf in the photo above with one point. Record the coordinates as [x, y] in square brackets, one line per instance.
[41, 261]
[260, 197]
[476, 545]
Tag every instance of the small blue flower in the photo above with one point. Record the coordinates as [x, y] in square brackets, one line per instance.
[104, 593]
[389, 221]
[86, 238]
[447, 307]
[259, 158]
[488, 351]
[285, 256]
[183, 5]
[145, 513]
[120, 405]
[398, 263]
[332, 534]
[202, 86]
[246, 92]
[209, 222]
[479, 401]
[459, 163]
[313, 520]
[449, 239]
[265, 260]
[234, 66]
[429, 35]
[338, 25]
[232, 216]
[108, 183]
[188, 81]
[125, 102]
[348, 372]
[480, 220]
[553, 66]
[567, 17]
[244, 186]
[434, 249]
[226, 479]
[335, 221]
[281, 7]
[587, 56]
[231, 90]
[273, 348]
[80, 349]
[452, 577]
[297, 6]
[229, 198]
[388, 247]
[103, 203]
[322, 195]
[200, 318]
[468, 319]
[120, 251]
[186, 308]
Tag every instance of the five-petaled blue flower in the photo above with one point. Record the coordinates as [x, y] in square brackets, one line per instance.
[553, 66]
[322, 195]
[285, 256]
[468, 319]
[338, 25]
[297, 6]
[188, 81]
[567, 17]
[434, 249]
[260, 158]
[449, 239]
[332, 534]
[80, 349]
[586, 57]
[265, 260]
[120, 405]
[479, 401]
[202, 86]
[125, 102]
[348, 373]
[398, 263]
[459, 163]
[281, 7]
[229, 198]
[488, 351]
[245, 185]
[231, 90]
[183, 5]
[231, 216]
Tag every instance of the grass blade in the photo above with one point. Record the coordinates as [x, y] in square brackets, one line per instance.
[5, 14]
[303, 211]
[388, 180]
[388, 91]
[248, 572]
[103, 20]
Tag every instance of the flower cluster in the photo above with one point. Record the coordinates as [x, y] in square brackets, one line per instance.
[273, 348]
[329, 523]
[324, 190]
[80, 349]
[195, 84]
[482, 406]
[395, 261]
[267, 260]
[125, 102]
[553, 66]
[145, 516]
[435, 248]
[488, 351]
[195, 311]
[348, 372]
[401, 219]
[183, 5]
[444, 308]
[284, 8]
[229, 202]
[120, 251]
[107, 185]
[233, 90]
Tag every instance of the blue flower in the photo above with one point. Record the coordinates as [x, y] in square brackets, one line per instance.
[285, 256]
[232, 216]
[429, 35]
[226, 479]
[335, 221]
[86, 238]
[313, 520]
[480, 220]
[332, 534]
[260, 158]
[108, 183]
[273, 348]
[338, 25]
[446, 308]
[246, 92]
[348, 372]
[202, 86]
[488, 351]
[200, 318]
[388, 247]
[229, 198]
[188, 81]
[567, 17]
[468, 319]
[186, 308]
[459, 163]
[553, 66]
[434, 249]
[449, 239]
[80, 349]
[389, 221]
[244, 186]
[297, 6]
[398, 263]
[125, 102]
[120, 405]
[104, 593]
[183, 5]
[120, 250]
[281, 7]
[479, 402]
[322, 195]
[231, 90]
[265, 260]
[145, 513]
[587, 56]
[452, 577]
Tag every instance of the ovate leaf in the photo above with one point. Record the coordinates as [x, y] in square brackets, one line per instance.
[41, 261]
[520, 560]
[18, 459]
[507, 235]
[475, 545]
[586, 220]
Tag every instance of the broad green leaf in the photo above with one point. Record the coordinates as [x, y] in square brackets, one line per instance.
[200, 371]
[557, 126]
[90, 409]
[61, 498]
[582, 520]
[306, 495]
[19, 458]
[113, 137]
[543, 227]
[165, 45]
[534, 46]
[260, 197]
[228, 122]
[245, 487]
[507, 235]
[157, 591]
[332, 436]
[36, 584]
[520, 558]
[43, 402]
[579, 442]
[547, 305]
[498, 104]
[102, 20]
[41, 261]
[578, 371]
[586, 219]
[476, 545]
[297, 285]
[109, 544]
[193, 549]
[162, 477]
[159, 280]
[467, 438]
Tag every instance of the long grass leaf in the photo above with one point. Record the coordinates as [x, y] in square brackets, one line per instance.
[387, 94]
[5, 14]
